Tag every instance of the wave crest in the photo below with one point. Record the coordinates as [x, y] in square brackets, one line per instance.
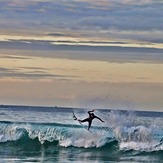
[65, 135]
[125, 138]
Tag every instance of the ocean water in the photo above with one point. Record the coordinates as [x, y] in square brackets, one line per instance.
[49, 134]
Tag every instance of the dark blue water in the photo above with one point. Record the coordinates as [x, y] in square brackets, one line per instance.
[49, 134]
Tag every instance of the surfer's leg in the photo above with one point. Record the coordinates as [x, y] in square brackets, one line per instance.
[89, 124]
[84, 120]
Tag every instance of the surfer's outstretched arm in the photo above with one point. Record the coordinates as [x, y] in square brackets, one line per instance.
[91, 111]
[75, 118]
[99, 119]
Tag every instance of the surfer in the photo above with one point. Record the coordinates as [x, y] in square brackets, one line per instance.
[90, 118]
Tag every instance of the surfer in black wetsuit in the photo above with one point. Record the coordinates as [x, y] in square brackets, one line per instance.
[90, 118]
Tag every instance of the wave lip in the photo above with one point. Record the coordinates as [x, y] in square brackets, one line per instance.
[12, 132]
[65, 135]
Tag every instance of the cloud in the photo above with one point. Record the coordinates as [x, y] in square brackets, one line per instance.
[54, 41]
[34, 73]
[80, 50]
[69, 22]
[13, 57]
[142, 18]
[58, 34]
[4, 69]
[6, 72]
[105, 14]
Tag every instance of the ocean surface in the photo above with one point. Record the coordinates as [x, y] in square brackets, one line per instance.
[50, 134]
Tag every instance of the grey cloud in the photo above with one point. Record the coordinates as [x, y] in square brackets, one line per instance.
[28, 41]
[58, 35]
[3, 69]
[110, 53]
[82, 15]
[122, 15]
[34, 68]
[13, 57]
[14, 73]
[6, 72]
[126, 20]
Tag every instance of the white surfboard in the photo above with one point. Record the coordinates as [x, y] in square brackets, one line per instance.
[76, 119]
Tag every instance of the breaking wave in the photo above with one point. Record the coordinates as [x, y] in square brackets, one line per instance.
[123, 135]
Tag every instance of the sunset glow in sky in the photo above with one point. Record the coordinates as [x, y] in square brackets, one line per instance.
[78, 53]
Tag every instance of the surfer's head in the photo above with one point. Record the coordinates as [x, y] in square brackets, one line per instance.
[92, 115]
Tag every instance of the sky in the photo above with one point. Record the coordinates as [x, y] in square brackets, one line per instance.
[78, 53]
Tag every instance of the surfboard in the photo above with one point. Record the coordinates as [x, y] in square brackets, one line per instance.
[76, 119]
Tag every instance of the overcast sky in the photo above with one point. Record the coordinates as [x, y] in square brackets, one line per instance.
[94, 54]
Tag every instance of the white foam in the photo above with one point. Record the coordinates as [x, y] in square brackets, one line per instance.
[132, 136]
[141, 146]
[134, 133]
[12, 133]
[82, 138]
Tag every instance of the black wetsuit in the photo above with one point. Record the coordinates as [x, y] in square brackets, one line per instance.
[90, 118]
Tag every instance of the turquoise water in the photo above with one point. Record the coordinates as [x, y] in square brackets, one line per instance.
[44, 134]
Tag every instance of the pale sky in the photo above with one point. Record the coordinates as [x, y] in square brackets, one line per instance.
[78, 53]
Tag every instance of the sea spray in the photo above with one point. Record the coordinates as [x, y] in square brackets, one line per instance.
[133, 136]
